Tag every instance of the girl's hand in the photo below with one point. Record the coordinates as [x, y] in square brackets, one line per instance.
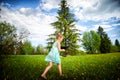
[63, 50]
[59, 47]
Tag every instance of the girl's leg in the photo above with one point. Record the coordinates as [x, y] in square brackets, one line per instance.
[46, 70]
[59, 69]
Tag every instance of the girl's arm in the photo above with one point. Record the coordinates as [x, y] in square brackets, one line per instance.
[59, 47]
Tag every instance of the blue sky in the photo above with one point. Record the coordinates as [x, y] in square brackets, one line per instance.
[36, 16]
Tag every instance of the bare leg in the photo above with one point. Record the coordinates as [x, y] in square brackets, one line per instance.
[59, 69]
[46, 70]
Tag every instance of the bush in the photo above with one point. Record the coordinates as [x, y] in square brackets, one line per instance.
[114, 49]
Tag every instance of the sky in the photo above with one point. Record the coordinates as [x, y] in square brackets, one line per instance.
[36, 16]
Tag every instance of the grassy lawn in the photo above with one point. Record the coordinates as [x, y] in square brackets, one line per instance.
[84, 67]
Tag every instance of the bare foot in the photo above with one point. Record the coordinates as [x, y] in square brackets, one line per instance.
[43, 76]
[61, 75]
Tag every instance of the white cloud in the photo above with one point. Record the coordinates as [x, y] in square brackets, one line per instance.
[117, 24]
[48, 4]
[95, 9]
[5, 4]
[81, 28]
[114, 35]
[36, 22]
[106, 27]
[87, 9]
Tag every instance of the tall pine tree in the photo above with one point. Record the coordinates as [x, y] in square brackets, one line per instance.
[105, 41]
[117, 44]
[65, 24]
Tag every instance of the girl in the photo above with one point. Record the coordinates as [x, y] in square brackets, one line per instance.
[54, 56]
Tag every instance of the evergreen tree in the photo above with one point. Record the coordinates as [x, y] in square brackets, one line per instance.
[65, 25]
[117, 44]
[105, 41]
[50, 40]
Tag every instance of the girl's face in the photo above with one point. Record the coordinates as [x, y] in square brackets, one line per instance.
[60, 38]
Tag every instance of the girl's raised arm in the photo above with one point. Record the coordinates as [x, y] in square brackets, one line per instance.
[59, 46]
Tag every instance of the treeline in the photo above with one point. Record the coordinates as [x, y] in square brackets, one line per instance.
[15, 42]
[99, 42]
[28, 49]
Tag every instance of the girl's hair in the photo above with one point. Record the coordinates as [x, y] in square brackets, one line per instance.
[58, 35]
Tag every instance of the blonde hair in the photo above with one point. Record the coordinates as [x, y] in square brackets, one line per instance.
[59, 35]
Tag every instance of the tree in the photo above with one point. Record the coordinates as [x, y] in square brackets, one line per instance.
[21, 36]
[91, 42]
[9, 39]
[117, 44]
[40, 50]
[114, 48]
[66, 25]
[50, 40]
[27, 48]
[105, 45]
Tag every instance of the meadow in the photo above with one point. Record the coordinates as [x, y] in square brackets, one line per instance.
[82, 67]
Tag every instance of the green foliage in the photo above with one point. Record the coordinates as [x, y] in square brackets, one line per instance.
[86, 67]
[8, 37]
[91, 42]
[114, 48]
[117, 44]
[11, 39]
[27, 48]
[40, 50]
[66, 25]
[105, 45]
[50, 42]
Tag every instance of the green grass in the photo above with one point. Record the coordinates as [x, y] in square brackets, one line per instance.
[84, 67]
